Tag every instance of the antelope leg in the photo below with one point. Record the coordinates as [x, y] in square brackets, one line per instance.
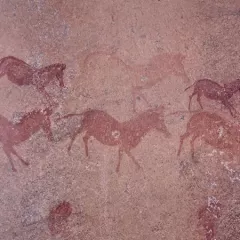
[184, 136]
[120, 153]
[8, 153]
[192, 145]
[85, 140]
[133, 158]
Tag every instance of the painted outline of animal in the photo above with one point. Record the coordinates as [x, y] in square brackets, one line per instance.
[214, 91]
[214, 130]
[148, 75]
[127, 135]
[14, 134]
[21, 73]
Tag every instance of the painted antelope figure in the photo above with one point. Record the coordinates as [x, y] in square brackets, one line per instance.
[21, 73]
[14, 134]
[127, 135]
[214, 130]
[144, 76]
[215, 91]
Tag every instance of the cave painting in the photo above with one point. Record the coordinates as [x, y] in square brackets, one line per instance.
[145, 76]
[215, 91]
[214, 130]
[12, 134]
[127, 135]
[207, 216]
[58, 217]
[21, 73]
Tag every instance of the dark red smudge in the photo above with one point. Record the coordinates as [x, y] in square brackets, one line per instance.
[58, 217]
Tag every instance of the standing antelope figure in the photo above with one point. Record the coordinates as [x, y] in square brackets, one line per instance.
[13, 134]
[127, 135]
[215, 91]
[21, 73]
[214, 130]
[144, 76]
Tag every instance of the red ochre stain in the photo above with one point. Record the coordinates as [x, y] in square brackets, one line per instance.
[207, 215]
[58, 217]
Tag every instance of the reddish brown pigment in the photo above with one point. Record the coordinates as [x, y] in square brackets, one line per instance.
[14, 134]
[207, 216]
[127, 135]
[58, 216]
[214, 130]
[215, 91]
[21, 73]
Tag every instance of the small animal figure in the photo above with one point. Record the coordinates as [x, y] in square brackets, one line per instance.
[14, 134]
[215, 91]
[21, 73]
[127, 135]
[214, 130]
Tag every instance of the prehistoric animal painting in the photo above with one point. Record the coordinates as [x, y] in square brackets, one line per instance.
[207, 216]
[146, 76]
[214, 130]
[58, 217]
[13, 134]
[21, 73]
[127, 135]
[213, 90]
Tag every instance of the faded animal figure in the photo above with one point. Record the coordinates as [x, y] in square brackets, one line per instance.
[214, 130]
[215, 91]
[21, 73]
[14, 134]
[127, 135]
[145, 76]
